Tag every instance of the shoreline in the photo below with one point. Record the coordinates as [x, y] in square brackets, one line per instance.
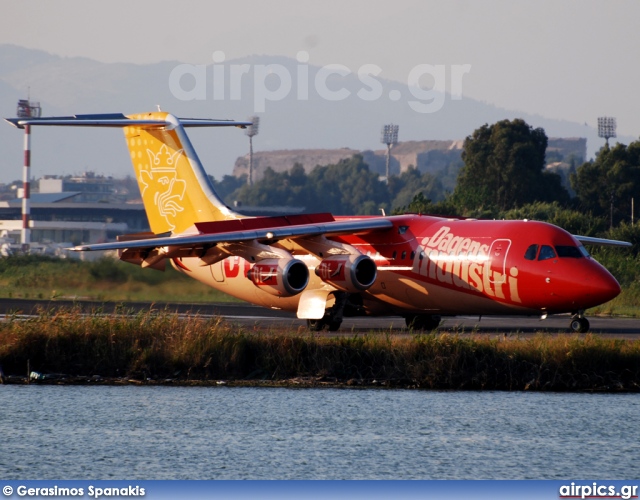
[301, 382]
[291, 383]
[295, 382]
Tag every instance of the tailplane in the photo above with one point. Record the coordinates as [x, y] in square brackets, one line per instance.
[175, 189]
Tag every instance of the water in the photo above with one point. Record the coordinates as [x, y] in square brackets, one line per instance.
[77, 432]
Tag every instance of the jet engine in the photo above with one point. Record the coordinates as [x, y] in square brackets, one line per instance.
[351, 273]
[280, 277]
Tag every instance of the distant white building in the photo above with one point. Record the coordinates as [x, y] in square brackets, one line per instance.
[70, 211]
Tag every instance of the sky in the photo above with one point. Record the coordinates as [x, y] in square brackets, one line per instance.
[571, 60]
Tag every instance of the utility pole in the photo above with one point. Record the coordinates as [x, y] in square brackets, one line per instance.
[611, 212]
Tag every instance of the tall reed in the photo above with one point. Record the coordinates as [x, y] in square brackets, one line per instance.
[160, 345]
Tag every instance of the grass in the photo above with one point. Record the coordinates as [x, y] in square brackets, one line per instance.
[161, 345]
[37, 277]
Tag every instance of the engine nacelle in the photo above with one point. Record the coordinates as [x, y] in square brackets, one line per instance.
[280, 277]
[351, 273]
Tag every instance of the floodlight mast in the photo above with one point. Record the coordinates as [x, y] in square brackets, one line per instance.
[251, 131]
[606, 127]
[390, 138]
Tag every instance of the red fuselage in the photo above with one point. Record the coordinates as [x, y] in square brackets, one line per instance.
[441, 266]
[465, 264]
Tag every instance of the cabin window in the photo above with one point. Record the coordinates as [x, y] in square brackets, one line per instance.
[404, 254]
[568, 251]
[413, 254]
[546, 252]
[531, 252]
[395, 254]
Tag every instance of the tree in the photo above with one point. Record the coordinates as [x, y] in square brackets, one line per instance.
[345, 188]
[228, 185]
[504, 169]
[405, 187]
[278, 189]
[422, 205]
[348, 188]
[576, 222]
[610, 181]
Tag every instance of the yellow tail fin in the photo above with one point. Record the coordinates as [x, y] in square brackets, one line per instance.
[174, 186]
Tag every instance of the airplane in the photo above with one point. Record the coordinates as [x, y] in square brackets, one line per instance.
[325, 267]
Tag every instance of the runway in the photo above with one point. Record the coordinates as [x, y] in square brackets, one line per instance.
[250, 316]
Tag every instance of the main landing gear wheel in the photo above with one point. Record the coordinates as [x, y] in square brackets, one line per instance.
[332, 318]
[579, 324]
[318, 325]
[424, 322]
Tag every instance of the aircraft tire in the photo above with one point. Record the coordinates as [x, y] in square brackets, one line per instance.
[422, 322]
[315, 325]
[318, 325]
[334, 326]
[579, 325]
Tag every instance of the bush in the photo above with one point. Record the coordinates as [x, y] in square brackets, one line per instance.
[107, 269]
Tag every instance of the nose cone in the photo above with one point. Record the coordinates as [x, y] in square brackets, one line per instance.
[601, 287]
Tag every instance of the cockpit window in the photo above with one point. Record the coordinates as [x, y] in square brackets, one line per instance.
[546, 252]
[584, 251]
[531, 252]
[568, 251]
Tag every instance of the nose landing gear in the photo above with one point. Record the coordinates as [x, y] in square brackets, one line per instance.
[579, 324]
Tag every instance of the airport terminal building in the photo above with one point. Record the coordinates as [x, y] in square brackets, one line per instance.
[73, 211]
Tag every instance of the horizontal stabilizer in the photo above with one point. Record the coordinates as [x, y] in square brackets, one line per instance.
[120, 120]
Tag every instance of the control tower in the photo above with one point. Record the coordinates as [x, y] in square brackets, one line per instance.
[28, 109]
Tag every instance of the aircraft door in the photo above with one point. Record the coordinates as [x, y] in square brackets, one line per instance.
[497, 268]
[217, 271]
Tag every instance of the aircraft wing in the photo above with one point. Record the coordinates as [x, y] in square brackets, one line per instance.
[588, 240]
[272, 229]
[267, 234]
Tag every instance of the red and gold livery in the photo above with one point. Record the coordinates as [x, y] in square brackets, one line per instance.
[325, 267]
